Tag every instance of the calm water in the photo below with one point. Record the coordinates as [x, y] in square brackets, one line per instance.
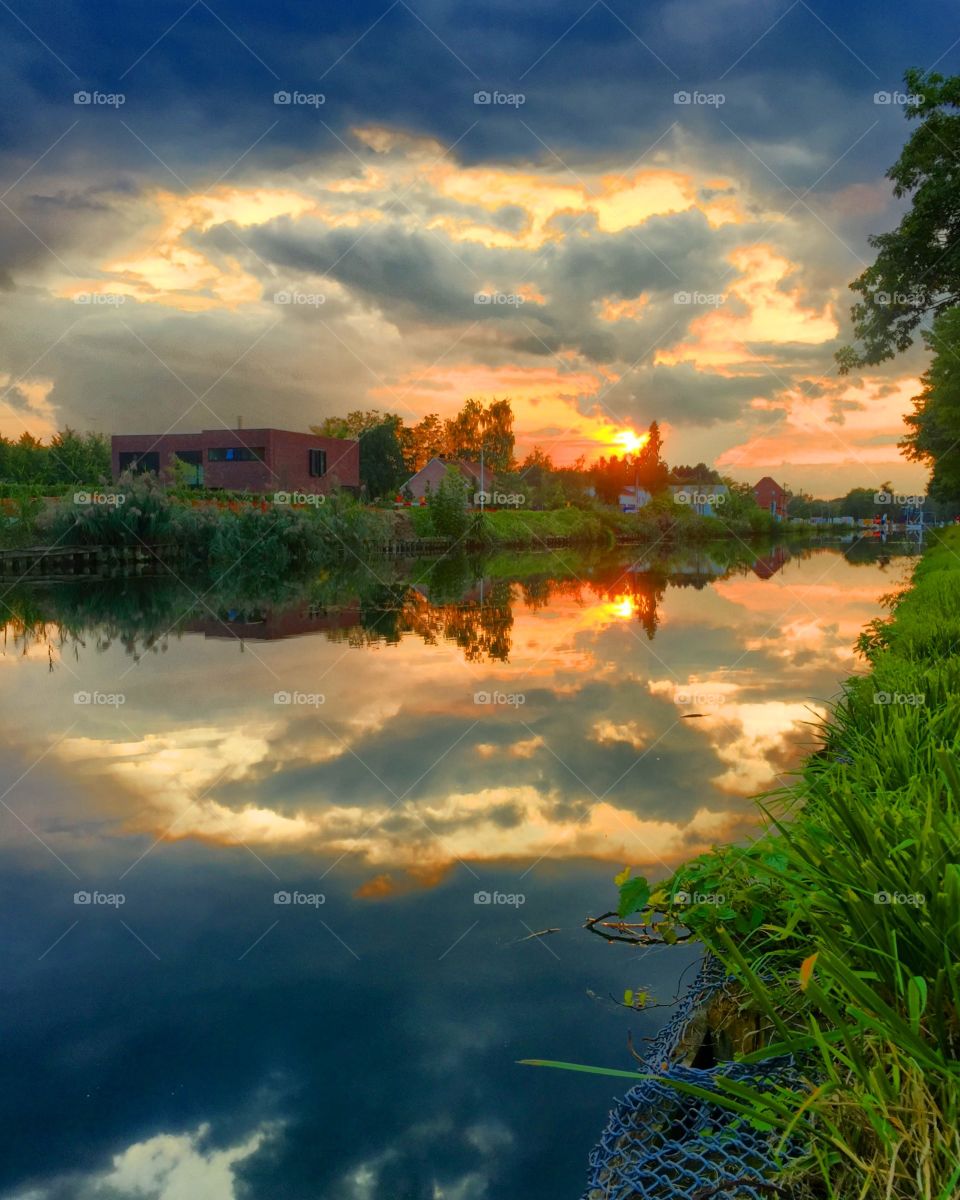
[521, 727]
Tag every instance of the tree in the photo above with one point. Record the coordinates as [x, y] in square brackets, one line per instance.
[934, 437]
[649, 468]
[382, 467]
[422, 442]
[917, 268]
[448, 505]
[464, 433]
[353, 424]
[496, 428]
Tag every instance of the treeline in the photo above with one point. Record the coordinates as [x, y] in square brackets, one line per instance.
[69, 457]
[862, 502]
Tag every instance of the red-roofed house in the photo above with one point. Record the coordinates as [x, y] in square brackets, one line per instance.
[771, 496]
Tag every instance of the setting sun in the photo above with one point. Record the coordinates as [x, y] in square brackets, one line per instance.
[631, 442]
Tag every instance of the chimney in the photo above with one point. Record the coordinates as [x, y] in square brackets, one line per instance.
[239, 421]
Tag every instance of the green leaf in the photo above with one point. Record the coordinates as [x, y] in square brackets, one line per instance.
[634, 894]
[565, 1066]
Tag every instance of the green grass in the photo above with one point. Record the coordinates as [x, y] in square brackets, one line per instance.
[841, 922]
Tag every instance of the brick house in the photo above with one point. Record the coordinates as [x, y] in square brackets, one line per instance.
[771, 496]
[428, 478]
[246, 460]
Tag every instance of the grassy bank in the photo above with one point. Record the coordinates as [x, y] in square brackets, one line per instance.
[661, 520]
[841, 923]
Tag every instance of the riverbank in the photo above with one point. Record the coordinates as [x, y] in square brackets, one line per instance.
[840, 925]
[183, 531]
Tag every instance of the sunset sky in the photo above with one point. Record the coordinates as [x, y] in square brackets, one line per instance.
[183, 249]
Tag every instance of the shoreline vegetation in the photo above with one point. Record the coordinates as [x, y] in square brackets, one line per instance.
[839, 926]
[213, 530]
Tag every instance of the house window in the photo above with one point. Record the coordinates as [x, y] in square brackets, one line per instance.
[140, 460]
[236, 454]
[318, 462]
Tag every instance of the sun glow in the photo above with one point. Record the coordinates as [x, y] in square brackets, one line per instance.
[631, 442]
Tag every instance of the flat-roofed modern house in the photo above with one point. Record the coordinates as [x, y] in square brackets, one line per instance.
[244, 460]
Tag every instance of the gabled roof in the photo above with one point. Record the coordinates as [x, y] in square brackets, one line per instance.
[768, 479]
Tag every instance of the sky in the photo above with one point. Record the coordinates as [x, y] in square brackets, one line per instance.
[609, 214]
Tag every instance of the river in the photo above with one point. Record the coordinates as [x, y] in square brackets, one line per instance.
[270, 866]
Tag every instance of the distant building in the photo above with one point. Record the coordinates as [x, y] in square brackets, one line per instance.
[771, 496]
[244, 460]
[632, 499]
[707, 499]
[428, 478]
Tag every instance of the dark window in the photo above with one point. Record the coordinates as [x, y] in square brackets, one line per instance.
[236, 454]
[318, 462]
[140, 460]
[193, 457]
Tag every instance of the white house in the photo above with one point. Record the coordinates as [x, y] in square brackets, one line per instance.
[632, 498]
